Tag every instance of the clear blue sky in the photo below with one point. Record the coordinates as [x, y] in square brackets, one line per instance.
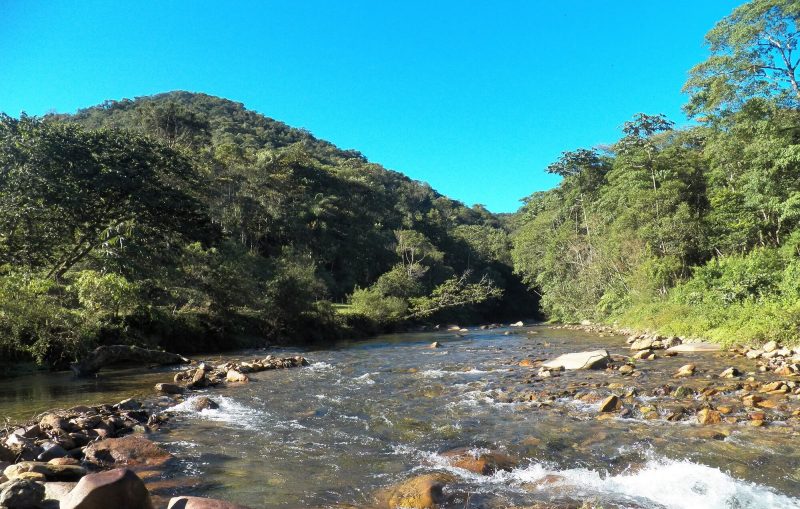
[475, 98]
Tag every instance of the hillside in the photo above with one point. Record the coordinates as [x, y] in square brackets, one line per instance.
[193, 223]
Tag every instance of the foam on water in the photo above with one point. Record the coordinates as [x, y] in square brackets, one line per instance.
[230, 411]
[671, 484]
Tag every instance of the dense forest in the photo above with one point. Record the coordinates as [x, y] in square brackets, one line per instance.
[692, 231]
[187, 222]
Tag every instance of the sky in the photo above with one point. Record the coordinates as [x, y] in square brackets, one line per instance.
[474, 97]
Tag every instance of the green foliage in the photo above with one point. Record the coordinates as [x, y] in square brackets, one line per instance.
[107, 294]
[372, 303]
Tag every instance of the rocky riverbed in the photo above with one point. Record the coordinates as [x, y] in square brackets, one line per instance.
[520, 416]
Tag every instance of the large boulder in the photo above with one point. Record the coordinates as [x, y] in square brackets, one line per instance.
[580, 360]
[21, 494]
[201, 503]
[104, 356]
[132, 450]
[118, 489]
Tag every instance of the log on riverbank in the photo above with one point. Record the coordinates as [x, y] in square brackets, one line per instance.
[104, 356]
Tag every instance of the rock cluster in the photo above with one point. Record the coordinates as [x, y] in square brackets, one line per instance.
[773, 357]
[67, 433]
[207, 375]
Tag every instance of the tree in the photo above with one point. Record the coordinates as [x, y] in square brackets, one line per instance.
[753, 54]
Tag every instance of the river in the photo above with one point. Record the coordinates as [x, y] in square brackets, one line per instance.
[365, 415]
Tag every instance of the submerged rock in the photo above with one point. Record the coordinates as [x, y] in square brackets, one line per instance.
[483, 463]
[201, 503]
[610, 404]
[203, 403]
[580, 360]
[131, 450]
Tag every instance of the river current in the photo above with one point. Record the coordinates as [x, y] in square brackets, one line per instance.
[366, 415]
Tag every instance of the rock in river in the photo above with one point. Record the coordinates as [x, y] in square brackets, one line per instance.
[421, 492]
[696, 347]
[117, 489]
[201, 503]
[580, 360]
[131, 450]
[484, 463]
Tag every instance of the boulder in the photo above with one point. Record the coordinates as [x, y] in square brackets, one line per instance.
[117, 489]
[169, 388]
[201, 503]
[21, 494]
[707, 416]
[132, 450]
[696, 347]
[483, 463]
[203, 403]
[51, 451]
[49, 471]
[642, 344]
[579, 360]
[517, 324]
[234, 376]
[104, 356]
[610, 404]
[436, 344]
[686, 370]
[421, 492]
[770, 346]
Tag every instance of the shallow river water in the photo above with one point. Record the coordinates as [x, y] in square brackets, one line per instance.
[366, 415]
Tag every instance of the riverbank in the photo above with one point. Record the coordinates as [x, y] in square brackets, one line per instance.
[484, 420]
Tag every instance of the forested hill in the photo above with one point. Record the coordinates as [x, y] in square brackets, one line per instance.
[692, 231]
[188, 222]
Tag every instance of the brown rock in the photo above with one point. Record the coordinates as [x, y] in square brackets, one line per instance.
[132, 450]
[527, 363]
[707, 416]
[421, 492]
[117, 489]
[610, 404]
[54, 422]
[485, 463]
[686, 370]
[203, 403]
[201, 503]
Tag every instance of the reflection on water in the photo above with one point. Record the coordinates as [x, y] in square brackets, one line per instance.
[368, 414]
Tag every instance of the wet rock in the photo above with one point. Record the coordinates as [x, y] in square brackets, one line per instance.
[517, 324]
[203, 403]
[234, 376]
[527, 363]
[201, 503]
[117, 489]
[707, 416]
[133, 450]
[610, 404]
[580, 360]
[21, 494]
[483, 463]
[646, 355]
[730, 373]
[421, 492]
[199, 378]
[436, 344]
[686, 370]
[683, 392]
[169, 388]
[128, 404]
[751, 400]
[626, 369]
